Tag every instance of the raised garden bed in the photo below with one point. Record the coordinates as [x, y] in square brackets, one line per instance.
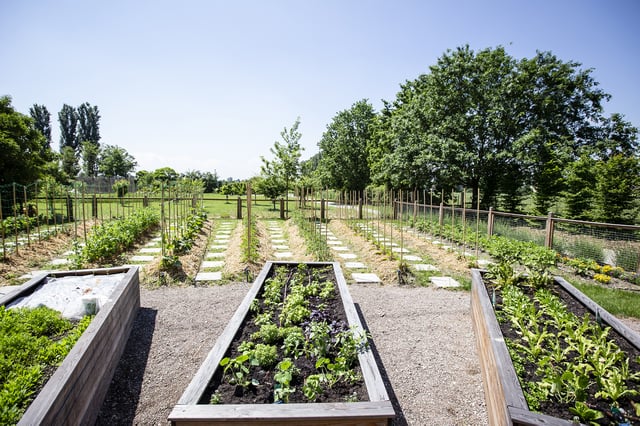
[373, 406]
[75, 392]
[505, 398]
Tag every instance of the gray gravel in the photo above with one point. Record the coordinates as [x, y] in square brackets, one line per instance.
[423, 337]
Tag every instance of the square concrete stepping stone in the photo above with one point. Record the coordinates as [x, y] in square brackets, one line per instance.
[425, 267]
[333, 242]
[283, 254]
[278, 241]
[218, 247]
[444, 282]
[59, 261]
[151, 250]
[340, 248]
[347, 255]
[152, 244]
[142, 258]
[212, 264]
[209, 276]
[365, 278]
[400, 250]
[412, 258]
[217, 254]
[354, 265]
[280, 247]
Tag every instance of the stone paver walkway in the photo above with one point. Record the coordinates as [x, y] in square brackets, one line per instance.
[211, 267]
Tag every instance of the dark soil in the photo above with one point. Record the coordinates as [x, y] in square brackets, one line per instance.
[559, 409]
[330, 310]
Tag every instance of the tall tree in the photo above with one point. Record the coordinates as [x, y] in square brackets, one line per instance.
[22, 160]
[69, 163]
[286, 162]
[68, 118]
[42, 121]
[90, 154]
[344, 148]
[88, 124]
[116, 162]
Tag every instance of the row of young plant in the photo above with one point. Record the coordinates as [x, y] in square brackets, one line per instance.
[295, 328]
[183, 240]
[250, 243]
[311, 232]
[110, 239]
[464, 234]
[575, 363]
[32, 342]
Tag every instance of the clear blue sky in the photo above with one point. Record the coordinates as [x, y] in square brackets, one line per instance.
[209, 85]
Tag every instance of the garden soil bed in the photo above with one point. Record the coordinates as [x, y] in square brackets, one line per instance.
[556, 412]
[255, 403]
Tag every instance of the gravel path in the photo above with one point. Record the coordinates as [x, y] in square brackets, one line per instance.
[423, 336]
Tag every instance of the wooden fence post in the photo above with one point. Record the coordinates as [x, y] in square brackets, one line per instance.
[239, 209]
[322, 218]
[548, 237]
[282, 208]
[360, 209]
[490, 219]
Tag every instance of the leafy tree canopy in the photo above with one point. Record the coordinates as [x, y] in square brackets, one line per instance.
[23, 157]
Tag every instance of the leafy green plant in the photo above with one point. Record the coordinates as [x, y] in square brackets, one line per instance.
[264, 355]
[236, 370]
[31, 341]
[285, 370]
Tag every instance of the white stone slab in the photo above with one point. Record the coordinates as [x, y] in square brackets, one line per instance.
[278, 241]
[212, 255]
[282, 254]
[354, 265]
[365, 278]
[412, 258]
[444, 282]
[425, 267]
[280, 247]
[151, 250]
[142, 258]
[209, 276]
[334, 242]
[400, 250]
[347, 255]
[220, 242]
[59, 261]
[218, 247]
[212, 264]
[340, 248]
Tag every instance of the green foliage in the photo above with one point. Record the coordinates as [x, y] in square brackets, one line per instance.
[31, 340]
[25, 151]
[264, 355]
[116, 161]
[112, 238]
[344, 148]
[285, 371]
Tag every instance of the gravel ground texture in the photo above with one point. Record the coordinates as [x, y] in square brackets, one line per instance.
[423, 338]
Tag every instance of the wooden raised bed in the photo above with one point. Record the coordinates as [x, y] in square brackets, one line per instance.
[75, 392]
[506, 404]
[377, 411]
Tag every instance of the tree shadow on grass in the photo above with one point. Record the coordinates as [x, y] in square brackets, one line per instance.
[400, 420]
[121, 401]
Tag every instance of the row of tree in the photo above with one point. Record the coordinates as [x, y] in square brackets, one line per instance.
[27, 155]
[527, 133]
